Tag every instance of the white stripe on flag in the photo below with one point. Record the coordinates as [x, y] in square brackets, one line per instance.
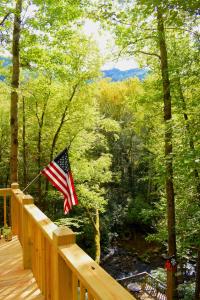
[71, 190]
[58, 183]
[59, 168]
[53, 169]
[68, 181]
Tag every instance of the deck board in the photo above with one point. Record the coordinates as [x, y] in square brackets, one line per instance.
[15, 282]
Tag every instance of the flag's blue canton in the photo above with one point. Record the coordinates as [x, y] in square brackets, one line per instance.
[63, 161]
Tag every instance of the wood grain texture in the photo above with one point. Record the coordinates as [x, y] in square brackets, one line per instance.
[15, 282]
[99, 284]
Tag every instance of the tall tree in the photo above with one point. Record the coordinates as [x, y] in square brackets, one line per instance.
[171, 278]
[14, 93]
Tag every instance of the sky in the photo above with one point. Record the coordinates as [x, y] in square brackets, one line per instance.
[106, 44]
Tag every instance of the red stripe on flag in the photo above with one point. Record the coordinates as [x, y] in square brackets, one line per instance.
[67, 206]
[73, 188]
[62, 180]
[63, 186]
[62, 174]
[69, 187]
[62, 183]
[54, 184]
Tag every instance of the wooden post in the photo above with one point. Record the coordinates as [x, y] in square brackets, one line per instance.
[26, 243]
[4, 210]
[13, 212]
[62, 281]
[14, 186]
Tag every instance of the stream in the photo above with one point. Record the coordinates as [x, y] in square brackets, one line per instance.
[129, 256]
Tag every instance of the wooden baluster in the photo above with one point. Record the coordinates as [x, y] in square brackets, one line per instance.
[82, 291]
[49, 271]
[13, 210]
[90, 297]
[33, 252]
[26, 238]
[42, 263]
[74, 287]
[40, 258]
[37, 258]
[20, 208]
[46, 268]
[62, 281]
[4, 210]
[36, 254]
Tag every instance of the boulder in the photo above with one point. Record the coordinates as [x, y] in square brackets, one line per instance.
[134, 287]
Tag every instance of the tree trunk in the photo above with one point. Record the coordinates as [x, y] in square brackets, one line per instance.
[14, 93]
[24, 144]
[197, 281]
[97, 238]
[40, 120]
[171, 276]
[39, 149]
[96, 226]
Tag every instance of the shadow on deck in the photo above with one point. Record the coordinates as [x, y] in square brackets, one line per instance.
[15, 282]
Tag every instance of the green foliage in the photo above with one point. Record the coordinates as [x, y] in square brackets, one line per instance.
[138, 209]
[160, 274]
[187, 290]
[86, 239]
[74, 223]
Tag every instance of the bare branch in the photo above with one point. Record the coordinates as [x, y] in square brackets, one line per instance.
[4, 19]
[63, 119]
[182, 29]
[73, 138]
[147, 53]
[131, 43]
[137, 51]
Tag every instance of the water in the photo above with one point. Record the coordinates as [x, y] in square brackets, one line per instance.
[120, 263]
[136, 255]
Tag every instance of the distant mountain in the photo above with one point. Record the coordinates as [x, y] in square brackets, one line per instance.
[118, 75]
[115, 74]
[4, 62]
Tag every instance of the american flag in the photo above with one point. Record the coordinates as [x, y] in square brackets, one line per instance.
[59, 174]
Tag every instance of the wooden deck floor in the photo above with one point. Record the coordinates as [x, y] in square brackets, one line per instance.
[15, 282]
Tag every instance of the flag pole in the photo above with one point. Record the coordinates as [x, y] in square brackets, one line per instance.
[34, 179]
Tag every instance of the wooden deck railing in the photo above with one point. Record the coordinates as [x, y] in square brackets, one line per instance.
[148, 283]
[4, 193]
[61, 268]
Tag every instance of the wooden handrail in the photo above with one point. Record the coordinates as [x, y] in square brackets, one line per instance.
[100, 284]
[6, 191]
[143, 274]
[61, 268]
[149, 284]
[39, 218]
